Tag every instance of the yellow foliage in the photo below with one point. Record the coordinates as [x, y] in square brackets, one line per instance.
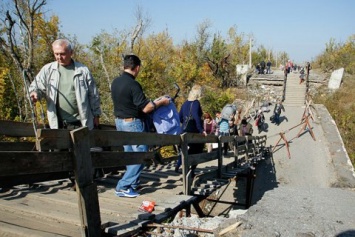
[3, 74]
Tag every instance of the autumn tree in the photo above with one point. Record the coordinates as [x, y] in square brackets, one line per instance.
[142, 24]
[337, 55]
[24, 41]
[156, 53]
[105, 58]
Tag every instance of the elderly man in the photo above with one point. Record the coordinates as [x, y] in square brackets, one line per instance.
[69, 89]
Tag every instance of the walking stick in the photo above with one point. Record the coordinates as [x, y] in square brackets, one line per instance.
[33, 114]
[41, 107]
[40, 103]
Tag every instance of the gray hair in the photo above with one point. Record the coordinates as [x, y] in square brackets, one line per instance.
[64, 42]
[195, 93]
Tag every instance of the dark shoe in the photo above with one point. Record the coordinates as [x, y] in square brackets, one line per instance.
[73, 187]
[139, 187]
[177, 170]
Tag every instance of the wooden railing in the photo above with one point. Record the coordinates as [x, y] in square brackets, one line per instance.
[58, 152]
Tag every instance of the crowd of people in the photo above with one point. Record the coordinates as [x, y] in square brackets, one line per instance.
[73, 101]
[264, 68]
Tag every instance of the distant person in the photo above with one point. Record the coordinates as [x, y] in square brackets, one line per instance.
[130, 108]
[262, 67]
[302, 75]
[259, 120]
[224, 124]
[308, 67]
[210, 127]
[258, 68]
[265, 107]
[277, 111]
[289, 66]
[245, 129]
[216, 119]
[268, 67]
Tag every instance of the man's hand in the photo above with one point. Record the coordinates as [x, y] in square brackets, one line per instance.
[153, 105]
[34, 97]
[162, 101]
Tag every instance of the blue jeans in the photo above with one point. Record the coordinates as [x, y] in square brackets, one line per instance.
[225, 145]
[131, 177]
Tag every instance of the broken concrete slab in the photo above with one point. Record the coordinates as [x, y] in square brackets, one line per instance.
[336, 79]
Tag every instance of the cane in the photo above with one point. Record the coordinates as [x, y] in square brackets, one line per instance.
[33, 114]
[40, 103]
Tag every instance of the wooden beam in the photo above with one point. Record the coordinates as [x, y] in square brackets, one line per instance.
[10, 181]
[201, 158]
[16, 129]
[31, 162]
[50, 139]
[17, 146]
[108, 159]
[116, 138]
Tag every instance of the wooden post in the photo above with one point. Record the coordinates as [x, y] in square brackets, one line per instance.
[305, 126]
[219, 157]
[235, 151]
[307, 111]
[282, 136]
[89, 209]
[184, 164]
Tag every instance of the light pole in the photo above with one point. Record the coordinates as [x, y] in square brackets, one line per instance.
[250, 41]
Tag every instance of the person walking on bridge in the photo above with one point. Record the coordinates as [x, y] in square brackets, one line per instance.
[277, 111]
[130, 106]
[70, 90]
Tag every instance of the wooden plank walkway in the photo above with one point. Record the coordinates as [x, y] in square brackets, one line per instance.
[51, 208]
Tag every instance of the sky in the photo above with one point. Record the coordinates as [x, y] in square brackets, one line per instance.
[301, 28]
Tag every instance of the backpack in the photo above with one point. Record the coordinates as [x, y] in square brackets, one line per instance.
[166, 120]
[228, 110]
